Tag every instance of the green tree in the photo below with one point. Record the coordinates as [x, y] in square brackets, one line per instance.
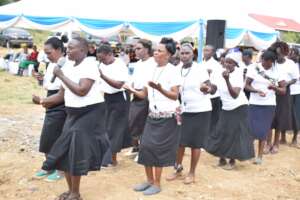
[291, 37]
[3, 2]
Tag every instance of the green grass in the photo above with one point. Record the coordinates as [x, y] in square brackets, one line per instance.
[18, 90]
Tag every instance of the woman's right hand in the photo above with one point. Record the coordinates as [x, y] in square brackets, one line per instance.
[37, 75]
[261, 93]
[36, 99]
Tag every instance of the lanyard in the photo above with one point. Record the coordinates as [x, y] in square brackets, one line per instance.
[156, 81]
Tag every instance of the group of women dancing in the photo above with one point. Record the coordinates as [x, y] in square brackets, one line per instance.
[94, 109]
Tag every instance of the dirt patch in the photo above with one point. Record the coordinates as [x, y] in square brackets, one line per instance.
[277, 179]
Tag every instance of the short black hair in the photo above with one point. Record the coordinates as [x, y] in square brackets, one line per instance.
[83, 42]
[248, 52]
[105, 48]
[170, 44]
[269, 55]
[146, 44]
[57, 43]
[284, 47]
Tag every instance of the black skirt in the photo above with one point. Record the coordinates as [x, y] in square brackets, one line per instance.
[283, 112]
[159, 143]
[83, 143]
[138, 113]
[232, 138]
[195, 129]
[215, 114]
[296, 112]
[53, 125]
[260, 120]
[117, 110]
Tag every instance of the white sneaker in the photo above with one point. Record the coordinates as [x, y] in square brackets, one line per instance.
[131, 153]
[136, 157]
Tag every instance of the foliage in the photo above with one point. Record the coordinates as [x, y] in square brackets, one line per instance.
[290, 37]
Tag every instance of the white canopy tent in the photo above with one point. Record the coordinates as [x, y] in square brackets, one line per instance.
[149, 19]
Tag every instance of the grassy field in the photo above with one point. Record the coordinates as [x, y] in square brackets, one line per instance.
[16, 90]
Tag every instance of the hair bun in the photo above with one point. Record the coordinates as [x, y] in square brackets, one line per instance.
[64, 38]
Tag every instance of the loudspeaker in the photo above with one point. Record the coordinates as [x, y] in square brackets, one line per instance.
[215, 33]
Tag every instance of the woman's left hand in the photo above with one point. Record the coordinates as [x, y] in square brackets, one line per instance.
[205, 88]
[156, 86]
[225, 75]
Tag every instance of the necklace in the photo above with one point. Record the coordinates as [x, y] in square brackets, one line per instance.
[155, 80]
[184, 76]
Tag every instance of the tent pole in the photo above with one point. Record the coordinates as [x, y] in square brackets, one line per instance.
[200, 40]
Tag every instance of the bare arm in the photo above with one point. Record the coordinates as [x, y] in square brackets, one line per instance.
[172, 94]
[111, 82]
[142, 94]
[233, 91]
[208, 88]
[52, 100]
[80, 89]
[280, 89]
[249, 88]
[291, 82]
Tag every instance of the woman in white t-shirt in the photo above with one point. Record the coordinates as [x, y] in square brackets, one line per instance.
[295, 94]
[160, 138]
[81, 146]
[138, 111]
[263, 81]
[114, 73]
[231, 138]
[283, 114]
[196, 112]
[55, 116]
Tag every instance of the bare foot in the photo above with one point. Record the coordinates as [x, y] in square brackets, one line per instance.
[174, 176]
[190, 178]
[274, 149]
[267, 149]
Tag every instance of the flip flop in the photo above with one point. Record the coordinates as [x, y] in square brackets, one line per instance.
[189, 179]
[152, 190]
[63, 196]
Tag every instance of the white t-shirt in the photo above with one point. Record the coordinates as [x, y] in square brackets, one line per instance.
[117, 71]
[295, 88]
[289, 70]
[216, 73]
[49, 75]
[236, 80]
[193, 100]
[168, 77]
[86, 69]
[261, 83]
[142, 72]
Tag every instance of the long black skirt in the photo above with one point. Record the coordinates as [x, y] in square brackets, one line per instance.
[138, 113]
[83, 143]
[260, 120]
[215, 114]
[195, 129]
[159, 143]
[52, 128]
[53, 125]
[283, 113]
[296, 112]
[117, 125]
[232, 138]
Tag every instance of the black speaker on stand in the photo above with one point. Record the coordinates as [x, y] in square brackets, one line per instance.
[215, 33]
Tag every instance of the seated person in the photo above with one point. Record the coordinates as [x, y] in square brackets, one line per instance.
[30, 59]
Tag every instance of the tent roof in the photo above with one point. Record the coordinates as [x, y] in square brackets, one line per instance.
[277, 23]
